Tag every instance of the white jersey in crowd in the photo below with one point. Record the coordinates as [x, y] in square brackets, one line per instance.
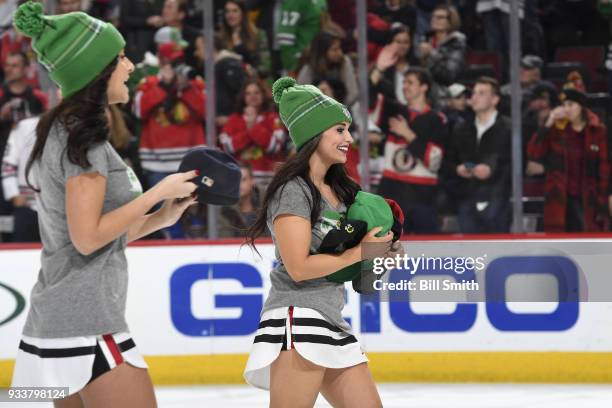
[18, 148]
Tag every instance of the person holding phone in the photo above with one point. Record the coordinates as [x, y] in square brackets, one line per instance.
[479, 158]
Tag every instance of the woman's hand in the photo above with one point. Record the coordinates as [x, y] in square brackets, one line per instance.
[172, 210]
[558, 113]
[372, 246]
[177, 185]
[386, 57]
[250, 113]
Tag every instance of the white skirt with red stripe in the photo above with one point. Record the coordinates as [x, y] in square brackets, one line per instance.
[311, 335]
[72, 362]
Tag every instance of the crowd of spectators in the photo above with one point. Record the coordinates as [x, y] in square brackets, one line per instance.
[439, 103]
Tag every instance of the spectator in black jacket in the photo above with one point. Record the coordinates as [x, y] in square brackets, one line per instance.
[230, 75]
[413, 151]
[138, 20]
[444, 52]
[479, 155]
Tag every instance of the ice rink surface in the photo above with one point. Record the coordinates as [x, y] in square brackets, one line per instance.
[400, 395]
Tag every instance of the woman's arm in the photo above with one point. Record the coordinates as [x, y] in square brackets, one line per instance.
[90, 230]
[293, 237]
[166, 216]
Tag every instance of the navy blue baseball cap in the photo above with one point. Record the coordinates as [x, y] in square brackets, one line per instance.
[219, 179]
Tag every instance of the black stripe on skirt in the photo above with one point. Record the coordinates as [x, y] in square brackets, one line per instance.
[70, 352]
[310, 321]
[57, 353]
[271, 323]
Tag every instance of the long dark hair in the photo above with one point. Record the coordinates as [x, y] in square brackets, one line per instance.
[317, 56]
[248, 32]
[84, 117]
[298, 166]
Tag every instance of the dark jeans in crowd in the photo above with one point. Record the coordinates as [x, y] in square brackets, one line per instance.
[26, 225]
[495, 217]
[574, 215]
[419, 217]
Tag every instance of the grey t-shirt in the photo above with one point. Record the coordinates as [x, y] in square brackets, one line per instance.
[328, 298]
[78, 295]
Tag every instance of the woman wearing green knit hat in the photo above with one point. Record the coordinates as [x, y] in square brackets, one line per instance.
[303, 346]
[90, 205]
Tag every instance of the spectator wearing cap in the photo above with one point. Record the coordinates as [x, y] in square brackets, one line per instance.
[168, 40]
[392, 63]
[457, 110]
[174, 13]
[138, 21]
[242, 37]
[235, 220]
[413, 151]
[327, 60]
[530, 74]
[170, 107]
[254, 134]
[444, 52]
[572, 151]
[530, 77]
[479, 158]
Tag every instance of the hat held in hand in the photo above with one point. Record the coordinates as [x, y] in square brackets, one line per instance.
[219, 179]
[373, 211]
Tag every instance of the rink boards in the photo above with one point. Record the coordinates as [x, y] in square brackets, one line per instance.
[193, 308]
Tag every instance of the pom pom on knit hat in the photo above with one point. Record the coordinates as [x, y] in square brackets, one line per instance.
[74, 47]
[280, 86]
[29, 19]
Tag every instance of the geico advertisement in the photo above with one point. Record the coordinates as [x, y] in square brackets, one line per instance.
[207, 299]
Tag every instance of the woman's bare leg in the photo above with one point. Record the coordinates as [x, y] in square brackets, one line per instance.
[294, 381]
[125, 386]
[73, 401]
[351, 387]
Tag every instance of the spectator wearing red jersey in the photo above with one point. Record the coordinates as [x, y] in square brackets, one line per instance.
[171, 108]
[254, 134]
[413, 151]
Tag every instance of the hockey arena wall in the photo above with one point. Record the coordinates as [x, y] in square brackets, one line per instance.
[193, 308]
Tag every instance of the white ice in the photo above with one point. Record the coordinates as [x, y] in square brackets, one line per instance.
[405, 395]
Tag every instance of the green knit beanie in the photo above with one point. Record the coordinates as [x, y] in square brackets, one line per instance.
[305, 111]
[75, 48]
